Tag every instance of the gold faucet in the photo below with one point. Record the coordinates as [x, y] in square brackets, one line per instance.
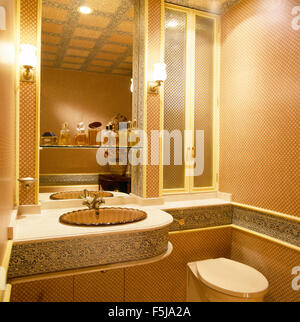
[93, 202]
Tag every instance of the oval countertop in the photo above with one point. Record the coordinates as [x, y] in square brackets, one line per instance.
[47, 226]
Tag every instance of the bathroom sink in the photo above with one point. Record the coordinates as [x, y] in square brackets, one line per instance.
[77, 195]
[102, 217]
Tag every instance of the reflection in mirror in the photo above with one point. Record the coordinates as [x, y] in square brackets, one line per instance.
[86, 71]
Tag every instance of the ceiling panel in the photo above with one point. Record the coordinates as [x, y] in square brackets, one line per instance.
[125, 26]
[81, 43]
[52, 27]
[86, 33]
[46, 38]
[99, 42]
[54, 13]
[94, 21]
[106, 6]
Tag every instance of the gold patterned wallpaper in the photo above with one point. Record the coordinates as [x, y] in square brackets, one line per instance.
[259, 157]
[100, 42]
[28, 105]
[154, 52]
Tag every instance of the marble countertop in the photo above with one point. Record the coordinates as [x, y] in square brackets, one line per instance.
[47, 226]
[30, 227]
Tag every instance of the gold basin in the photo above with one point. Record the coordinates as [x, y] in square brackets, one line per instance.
[102, 217]
[76, 195]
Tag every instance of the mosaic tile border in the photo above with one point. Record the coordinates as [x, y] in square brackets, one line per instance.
[139, 52]
[273, 226]
[200, 217]
[31, 258]
[68, 179]
[283, 229]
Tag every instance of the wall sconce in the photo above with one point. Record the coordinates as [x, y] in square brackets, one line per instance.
[27, 182]
[159, 76]
[131, 86]
[28, 62]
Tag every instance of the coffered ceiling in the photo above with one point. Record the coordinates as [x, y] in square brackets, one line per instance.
[101, 41]
[98, 42]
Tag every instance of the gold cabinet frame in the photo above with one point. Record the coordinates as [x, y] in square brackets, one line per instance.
[191, 15]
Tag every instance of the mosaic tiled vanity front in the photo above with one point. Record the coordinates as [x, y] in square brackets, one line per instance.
[30, 258]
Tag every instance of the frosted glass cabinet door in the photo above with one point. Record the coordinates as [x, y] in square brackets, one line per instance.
[174, 93]
[204, 94]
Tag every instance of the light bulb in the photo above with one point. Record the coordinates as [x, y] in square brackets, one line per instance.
[172, 24]
[131, 86]
[28, 55]
[160, 72]
[85, 10]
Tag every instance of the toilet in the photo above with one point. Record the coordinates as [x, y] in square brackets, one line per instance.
[224, 280]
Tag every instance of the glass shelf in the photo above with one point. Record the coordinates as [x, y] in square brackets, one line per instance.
[86, 147]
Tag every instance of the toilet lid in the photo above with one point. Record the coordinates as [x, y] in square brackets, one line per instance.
[232, 278]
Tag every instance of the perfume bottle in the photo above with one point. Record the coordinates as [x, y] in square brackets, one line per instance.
[104, 136]
[80, 138]
[65, 136]
[123, 134]
[48, 138]
[112, 136]
[94, 129]
[134, 135]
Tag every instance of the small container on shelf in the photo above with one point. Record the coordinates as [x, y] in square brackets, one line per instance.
[94, 129]
[80, 138]
[133, 135]
[65, 136]
[48, 138]
[123, 134]
[105, 136]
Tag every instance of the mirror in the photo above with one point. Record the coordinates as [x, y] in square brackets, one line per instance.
[86, 71]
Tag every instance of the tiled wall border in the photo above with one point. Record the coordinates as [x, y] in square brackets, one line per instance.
[40, 257]
[283, 228]
[68, 179]
[200, 217]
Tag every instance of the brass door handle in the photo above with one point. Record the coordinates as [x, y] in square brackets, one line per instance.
[193, 152]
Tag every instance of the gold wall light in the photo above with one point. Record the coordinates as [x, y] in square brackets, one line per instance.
[159, 76]
[28, 62]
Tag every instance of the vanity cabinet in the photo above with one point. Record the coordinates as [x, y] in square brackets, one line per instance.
[104, 286]
[58, 289]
